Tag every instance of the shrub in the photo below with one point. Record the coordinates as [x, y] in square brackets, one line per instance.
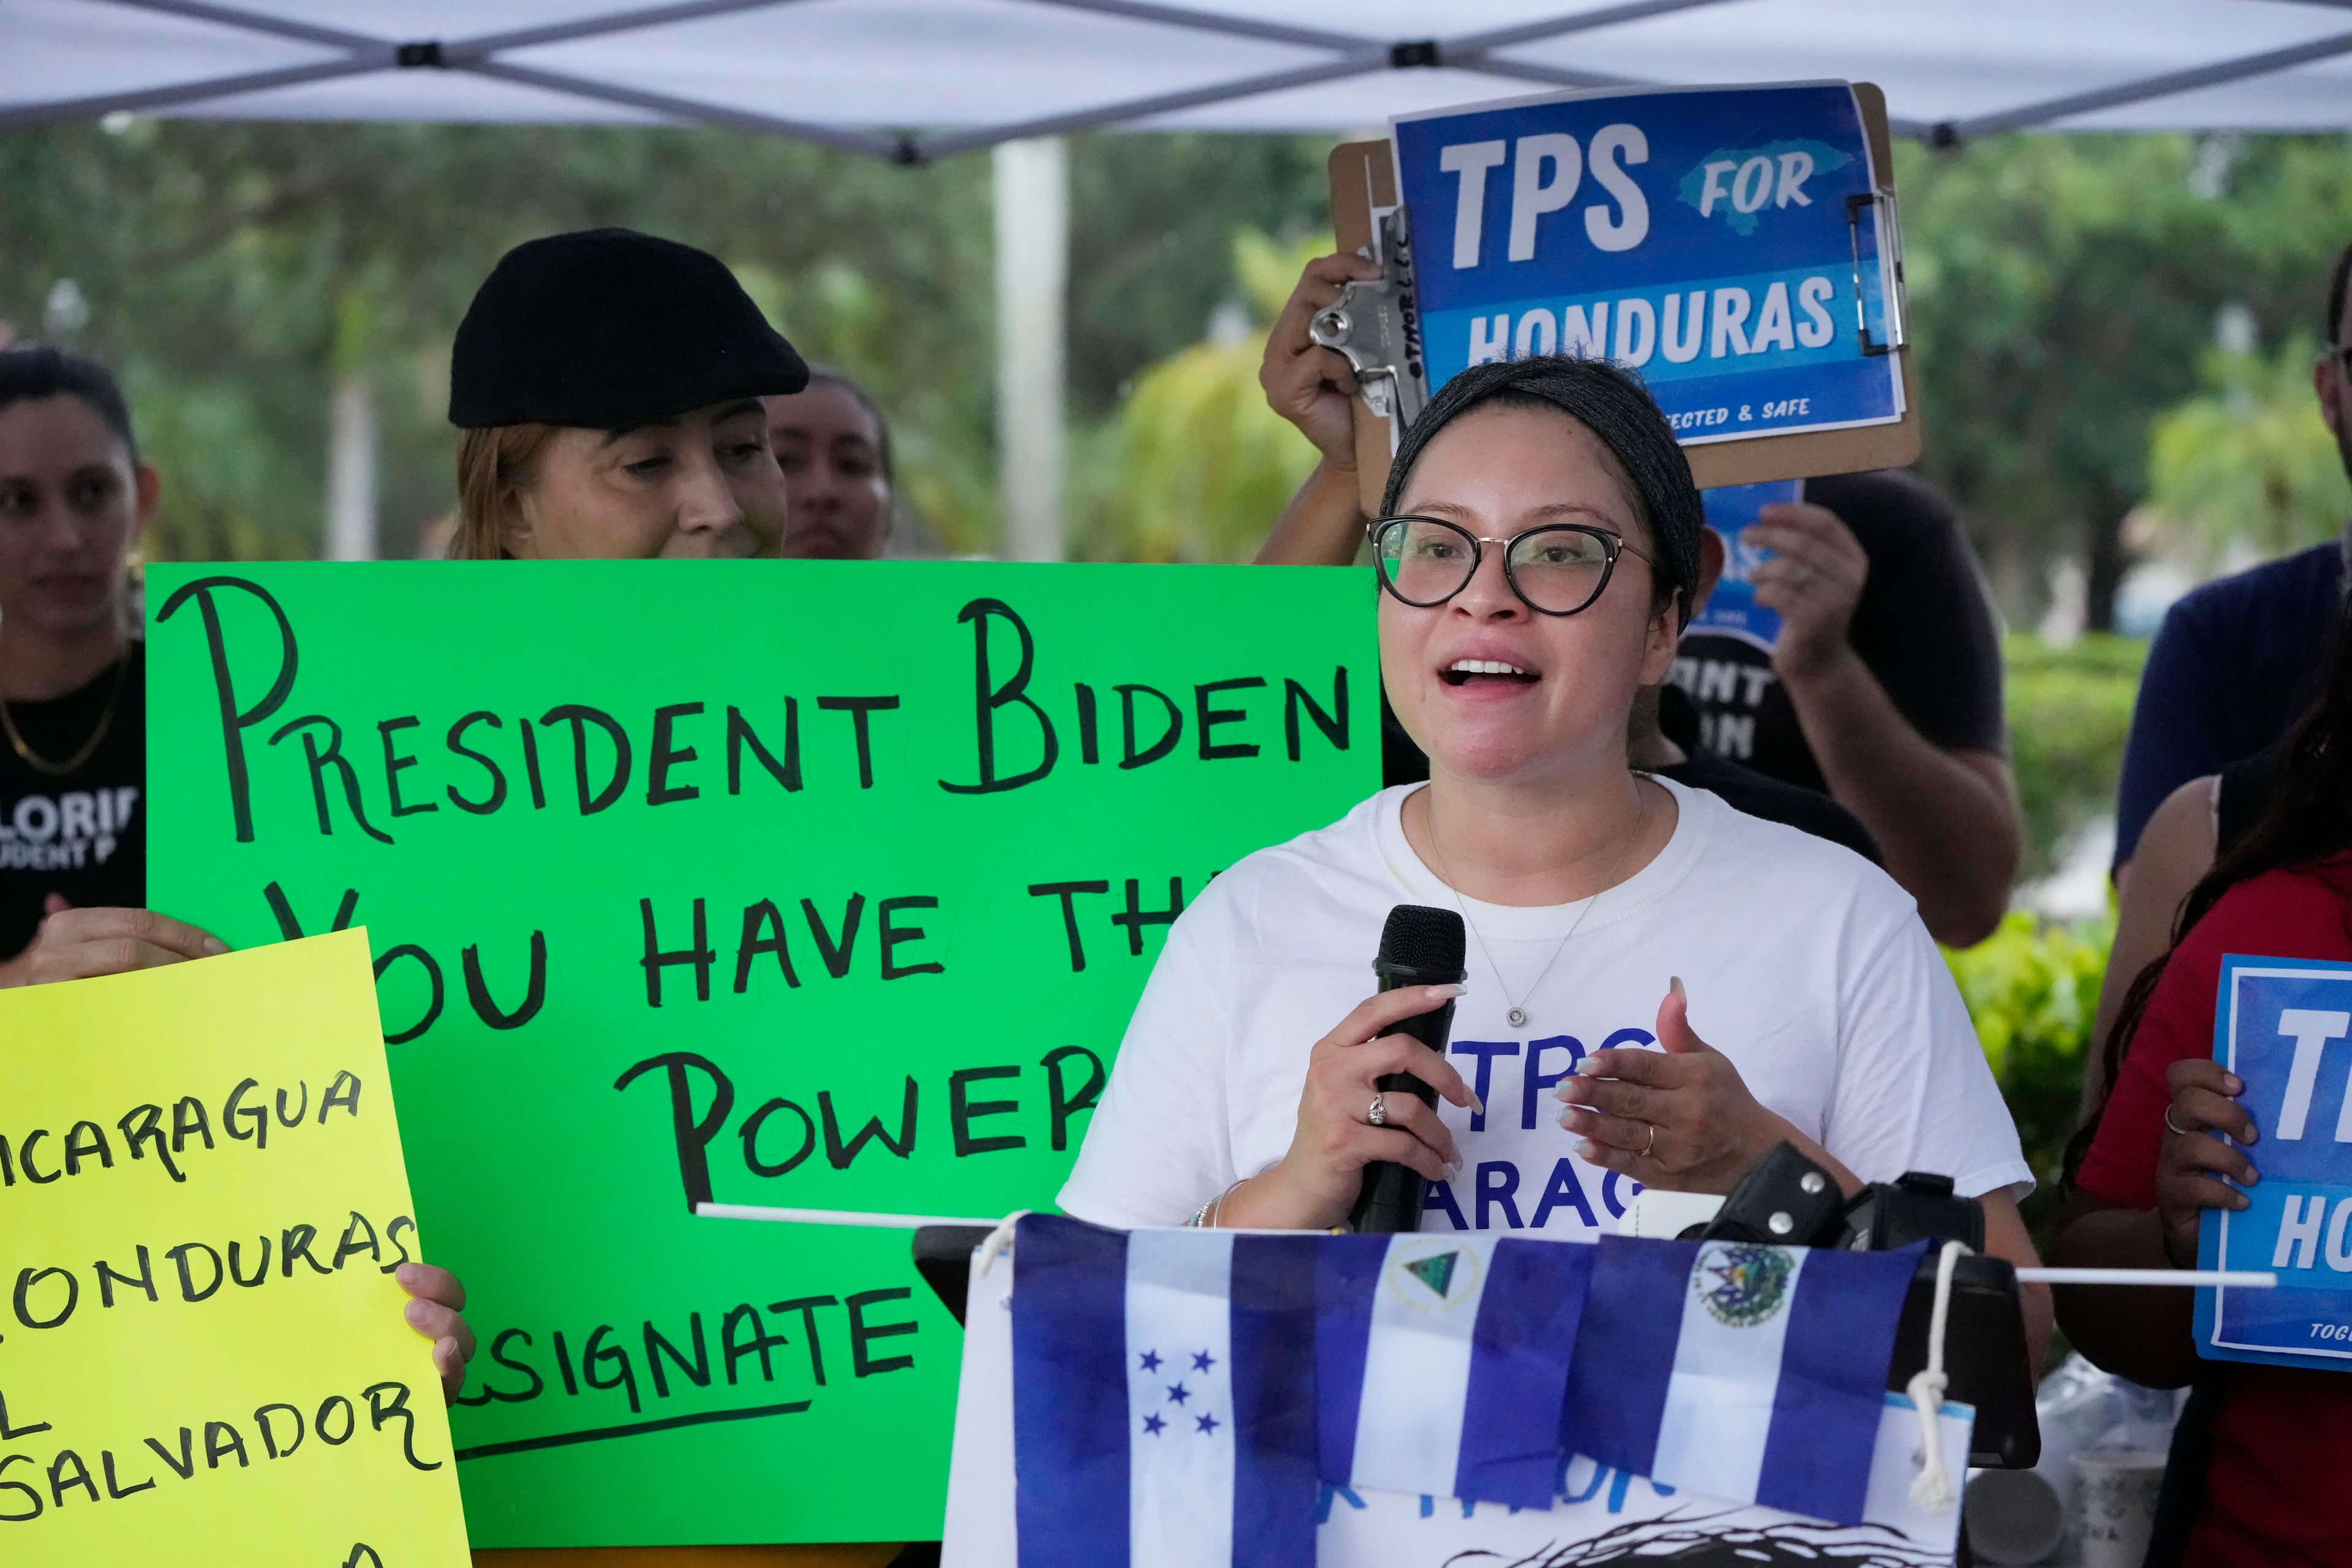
[2068, 710]
[2032, 990]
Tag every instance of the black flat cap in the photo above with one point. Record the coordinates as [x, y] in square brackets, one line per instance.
[608, 328]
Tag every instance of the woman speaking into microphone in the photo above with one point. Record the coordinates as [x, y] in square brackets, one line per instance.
[1534, 561]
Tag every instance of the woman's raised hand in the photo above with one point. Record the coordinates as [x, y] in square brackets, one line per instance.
[1679, 1117]
[1314, 1184]
[2190, 1163]
[1313, 388]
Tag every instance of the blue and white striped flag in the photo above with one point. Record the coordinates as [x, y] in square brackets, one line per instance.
[1163, 1398]
[1180, 1397]
[1443, 1363]
[1747, 1374]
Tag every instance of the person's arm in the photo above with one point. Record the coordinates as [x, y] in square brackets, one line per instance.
[2138, 1332]
[80, 944]
[2175, 850]
[1946, 819]
[1315, 389]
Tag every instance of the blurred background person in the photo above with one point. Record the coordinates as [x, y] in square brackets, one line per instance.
[2234, 663]
[834, 446]
[74, 495]
[2237, 660]
[2256, 1459]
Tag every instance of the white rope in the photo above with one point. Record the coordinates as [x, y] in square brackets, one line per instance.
[1932, 1487]
[998, 1243]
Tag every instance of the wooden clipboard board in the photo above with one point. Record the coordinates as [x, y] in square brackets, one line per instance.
[1363, 177]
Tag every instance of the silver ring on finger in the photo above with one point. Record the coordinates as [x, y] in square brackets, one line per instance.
[2174, 1125]
[1800, 577]
[1378, 1113]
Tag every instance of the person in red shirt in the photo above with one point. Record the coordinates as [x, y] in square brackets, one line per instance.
[2257, 1467]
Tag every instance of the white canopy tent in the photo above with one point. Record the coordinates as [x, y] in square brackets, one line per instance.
[921, 78]
[914, 81]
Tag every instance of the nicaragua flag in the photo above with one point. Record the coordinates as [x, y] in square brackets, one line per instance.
[1443, 1360]
[1163, 1398]
[1747, 1374]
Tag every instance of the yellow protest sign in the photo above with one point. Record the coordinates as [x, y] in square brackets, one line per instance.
[202, 1358]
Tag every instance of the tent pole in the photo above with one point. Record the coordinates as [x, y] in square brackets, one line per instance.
[2164, 86]
[1032, 259]
[1166, 103]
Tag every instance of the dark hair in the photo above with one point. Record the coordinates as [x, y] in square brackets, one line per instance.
[2304, 822]
[2337, 282]
[39, 370]
[826, 375]
[1612, 402]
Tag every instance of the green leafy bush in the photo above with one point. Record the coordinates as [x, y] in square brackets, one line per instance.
[2068, 710]
[2032, 990]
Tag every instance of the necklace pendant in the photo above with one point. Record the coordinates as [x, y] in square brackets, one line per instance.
[1518, 1016]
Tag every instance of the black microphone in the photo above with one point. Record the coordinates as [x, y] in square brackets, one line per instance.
[1418, 946]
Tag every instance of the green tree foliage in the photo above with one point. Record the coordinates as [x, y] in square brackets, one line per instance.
[2250, 459]
[2068, 710]
[221, 263]
[2032, 990]
[2064, 290]
[1198, 466]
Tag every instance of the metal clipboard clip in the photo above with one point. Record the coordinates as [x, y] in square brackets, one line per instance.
[1376, 324]
[1886, 221]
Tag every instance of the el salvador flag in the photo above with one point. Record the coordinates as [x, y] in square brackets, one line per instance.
[1747, 1374]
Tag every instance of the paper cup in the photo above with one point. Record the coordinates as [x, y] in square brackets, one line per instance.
[2012, 1517]
[2118, 1489]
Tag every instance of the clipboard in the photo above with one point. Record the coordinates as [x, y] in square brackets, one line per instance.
[1362, 177]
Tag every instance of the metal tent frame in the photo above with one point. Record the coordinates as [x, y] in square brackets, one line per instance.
[1348, 55]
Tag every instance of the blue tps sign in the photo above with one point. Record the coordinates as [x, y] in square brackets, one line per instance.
[1701, 237]
[2285, 1025]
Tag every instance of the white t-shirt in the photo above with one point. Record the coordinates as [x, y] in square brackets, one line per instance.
[1804, 964]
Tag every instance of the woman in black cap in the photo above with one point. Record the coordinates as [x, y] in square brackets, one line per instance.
[608, 386]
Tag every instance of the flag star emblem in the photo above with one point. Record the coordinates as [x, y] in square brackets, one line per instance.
[1150, 1360]
[1153, 1424]
[1208, 1423]
[1179, 1393]
[1203, 1361]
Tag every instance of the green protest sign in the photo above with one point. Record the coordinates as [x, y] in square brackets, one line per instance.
[792, 884]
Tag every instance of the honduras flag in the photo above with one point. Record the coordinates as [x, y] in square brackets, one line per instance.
[1748, 1374]
[1181, 1397]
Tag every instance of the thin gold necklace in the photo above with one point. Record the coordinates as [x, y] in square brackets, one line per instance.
[1515, 1014]
[41, 764]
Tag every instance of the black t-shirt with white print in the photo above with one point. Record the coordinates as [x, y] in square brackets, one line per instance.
[82, 835]
[1924, 628]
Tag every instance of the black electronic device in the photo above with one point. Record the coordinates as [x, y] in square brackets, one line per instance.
[1787, 1200]
[1418, 946]
[943, 1258]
